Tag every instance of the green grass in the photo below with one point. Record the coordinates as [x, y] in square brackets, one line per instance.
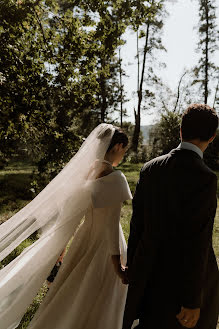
[15, 184]
[131, 172]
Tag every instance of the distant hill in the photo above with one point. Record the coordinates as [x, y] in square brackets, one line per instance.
[145, 132]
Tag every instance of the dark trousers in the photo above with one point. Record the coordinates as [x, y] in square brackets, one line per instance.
[158, 311]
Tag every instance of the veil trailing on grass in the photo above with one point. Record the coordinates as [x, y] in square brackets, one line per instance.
[57, 212]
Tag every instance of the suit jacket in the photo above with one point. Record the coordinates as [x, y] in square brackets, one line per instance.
[170, 256]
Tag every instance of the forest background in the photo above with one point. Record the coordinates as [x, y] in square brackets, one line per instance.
[62, 73]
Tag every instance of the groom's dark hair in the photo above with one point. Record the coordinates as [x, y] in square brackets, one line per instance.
[199, 121]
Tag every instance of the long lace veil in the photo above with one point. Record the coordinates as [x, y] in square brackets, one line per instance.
[56, 212]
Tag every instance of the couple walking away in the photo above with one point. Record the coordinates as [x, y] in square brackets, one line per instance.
[168, 278]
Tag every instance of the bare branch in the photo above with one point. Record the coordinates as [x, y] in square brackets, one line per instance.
[216, 91]
[178, 93]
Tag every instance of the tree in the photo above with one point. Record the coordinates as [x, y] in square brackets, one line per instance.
[207, 45]
[147, 23]
[122, 94]
[216, 96]
[164, 136]
[25, 87]
[59, 71]
[211, 155]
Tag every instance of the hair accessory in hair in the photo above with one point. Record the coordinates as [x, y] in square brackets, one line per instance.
[106, 130]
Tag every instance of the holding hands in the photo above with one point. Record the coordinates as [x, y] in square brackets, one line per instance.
[120, 270]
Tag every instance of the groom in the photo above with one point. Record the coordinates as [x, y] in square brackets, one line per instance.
[172, 271]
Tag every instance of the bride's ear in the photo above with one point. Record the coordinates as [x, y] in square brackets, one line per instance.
[116, 148]
[120, 147]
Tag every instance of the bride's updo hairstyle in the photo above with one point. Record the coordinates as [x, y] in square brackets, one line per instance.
[119, 137]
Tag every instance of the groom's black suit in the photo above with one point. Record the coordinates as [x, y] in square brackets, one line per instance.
[170, 256]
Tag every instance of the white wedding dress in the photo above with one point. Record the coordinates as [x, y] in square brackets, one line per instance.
[87, 293]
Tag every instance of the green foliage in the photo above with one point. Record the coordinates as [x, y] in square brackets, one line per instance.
[211, 155]
[164, 136]
[139, 157]
[130, 156]
[206, 70]
[58, 71]
[15, 185]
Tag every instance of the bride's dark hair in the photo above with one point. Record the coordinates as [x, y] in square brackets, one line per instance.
[119, 137]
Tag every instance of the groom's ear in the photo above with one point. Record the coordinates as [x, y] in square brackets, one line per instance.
[212, 138]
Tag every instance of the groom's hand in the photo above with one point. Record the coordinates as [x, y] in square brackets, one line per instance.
[188, 318]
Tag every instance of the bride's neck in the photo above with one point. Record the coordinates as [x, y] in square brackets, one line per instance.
[107, 162]
[108, 159]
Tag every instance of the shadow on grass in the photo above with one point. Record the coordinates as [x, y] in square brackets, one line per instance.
[15, 192]
[16, 185]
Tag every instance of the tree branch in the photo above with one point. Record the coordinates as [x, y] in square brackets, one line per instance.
[178, 93]
[41, 27]
[216, 91]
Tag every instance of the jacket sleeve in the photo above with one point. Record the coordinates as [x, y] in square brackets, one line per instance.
[195, 239]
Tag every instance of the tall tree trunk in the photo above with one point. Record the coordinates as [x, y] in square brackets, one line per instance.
[121, 90]
[216, 91]
[138, 63]
[206, 52]
[103, 94]
[135, 139]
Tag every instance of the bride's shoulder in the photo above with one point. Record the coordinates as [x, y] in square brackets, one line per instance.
[110, 190]
[120, 175]
[115, 176]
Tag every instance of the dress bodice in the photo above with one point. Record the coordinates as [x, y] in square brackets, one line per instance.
[107, 194]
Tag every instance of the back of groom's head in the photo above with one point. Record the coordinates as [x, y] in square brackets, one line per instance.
[199, 121]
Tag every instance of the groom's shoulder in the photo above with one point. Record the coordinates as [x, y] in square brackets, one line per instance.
[208, 171]
[157, 162]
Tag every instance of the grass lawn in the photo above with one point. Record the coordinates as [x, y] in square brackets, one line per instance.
[15, 185]
[14, 188]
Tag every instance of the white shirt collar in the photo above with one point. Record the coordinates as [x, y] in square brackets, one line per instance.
[191, 147]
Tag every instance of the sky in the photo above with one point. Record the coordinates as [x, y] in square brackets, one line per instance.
[179, 38]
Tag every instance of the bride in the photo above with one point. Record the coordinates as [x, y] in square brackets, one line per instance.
[84, 200]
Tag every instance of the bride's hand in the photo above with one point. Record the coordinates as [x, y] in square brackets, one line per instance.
[125, 279]
[120, 270]
[60, 259]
